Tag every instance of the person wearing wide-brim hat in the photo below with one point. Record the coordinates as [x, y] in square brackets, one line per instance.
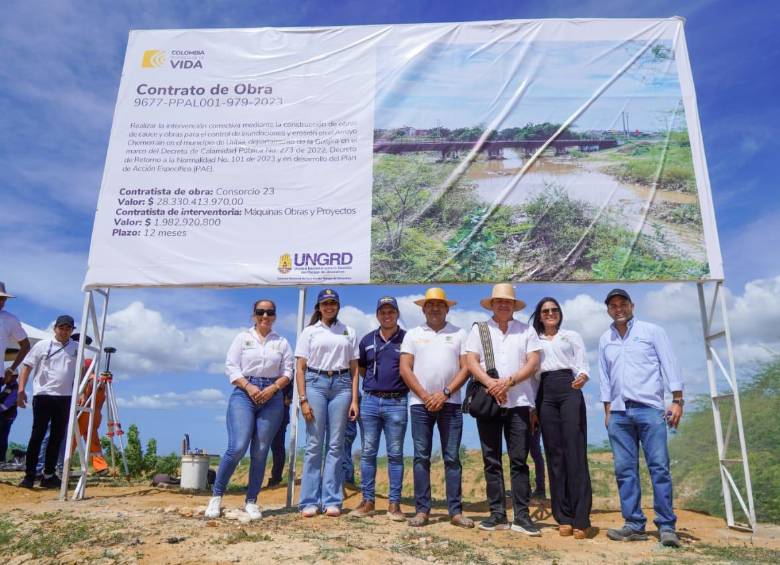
[433, 366]
[11, 330]
[516, 354]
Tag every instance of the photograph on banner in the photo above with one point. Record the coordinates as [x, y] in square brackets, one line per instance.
[534, 160]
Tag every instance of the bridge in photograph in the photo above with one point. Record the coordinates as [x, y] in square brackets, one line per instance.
[494, 149]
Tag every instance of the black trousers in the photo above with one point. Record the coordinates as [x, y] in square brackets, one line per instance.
[564, 431]
[47, 410]
[515, 425]
[278, 452]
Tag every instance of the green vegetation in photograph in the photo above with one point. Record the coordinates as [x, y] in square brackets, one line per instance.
[666, 163]
[760, 400]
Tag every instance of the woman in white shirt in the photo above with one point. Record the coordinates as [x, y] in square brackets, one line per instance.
[561, 408]
[259, 364]
[327, 379]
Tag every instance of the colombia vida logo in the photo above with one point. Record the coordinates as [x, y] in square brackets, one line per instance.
[180, 59]
[152, 59]
[285, 264]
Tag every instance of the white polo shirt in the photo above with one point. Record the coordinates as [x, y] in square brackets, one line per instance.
[565, 350]
[329, 348]
[10, 331]
[510, 351]
[251, 355]
[436, 358]
[53, 367]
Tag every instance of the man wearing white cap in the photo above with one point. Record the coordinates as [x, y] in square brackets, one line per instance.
[11, 331]
[433, 366]
[516, 354]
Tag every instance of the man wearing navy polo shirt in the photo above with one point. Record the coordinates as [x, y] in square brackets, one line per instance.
[383, 407]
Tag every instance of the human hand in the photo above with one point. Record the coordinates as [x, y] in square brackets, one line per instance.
[499, 388]
[266, 394]
[306, 411]
[436, 402]
[21, 399]
[606, 419]
[534, 418]
[673, 415]
[254, 393]
[354, 411]
[8, 374]
[579, 382]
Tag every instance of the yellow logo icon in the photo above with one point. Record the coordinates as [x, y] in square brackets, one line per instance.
[285, 263]
[153, 58]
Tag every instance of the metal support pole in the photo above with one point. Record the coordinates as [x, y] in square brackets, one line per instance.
[90, 323]
[711, 337]
[293, 444]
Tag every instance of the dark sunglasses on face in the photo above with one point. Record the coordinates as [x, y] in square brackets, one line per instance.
[260, 312]
[551, 310]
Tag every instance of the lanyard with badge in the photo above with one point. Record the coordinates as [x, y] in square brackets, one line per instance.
[378, 351]
[49, 354]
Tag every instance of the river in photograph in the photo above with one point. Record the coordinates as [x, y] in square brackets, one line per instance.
[586, 181]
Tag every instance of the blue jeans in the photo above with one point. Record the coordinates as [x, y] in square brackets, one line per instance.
[350, 433]
[329, 399]
[253, 426]
[449, 420]
[42, 454]
[641, 424]
[377, 415]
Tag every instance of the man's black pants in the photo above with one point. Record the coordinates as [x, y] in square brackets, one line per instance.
[564, 431]
[47, 410]
[515, 425]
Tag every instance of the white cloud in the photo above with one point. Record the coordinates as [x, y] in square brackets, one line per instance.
[208, 397]
[147, 342]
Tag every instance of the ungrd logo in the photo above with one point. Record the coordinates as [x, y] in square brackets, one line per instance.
[152, 59]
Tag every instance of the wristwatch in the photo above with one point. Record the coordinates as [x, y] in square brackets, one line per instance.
[679, 401]
[447, 392]
[302, 399]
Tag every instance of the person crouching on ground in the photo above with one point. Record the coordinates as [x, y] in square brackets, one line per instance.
[516, 353]
[327, 380]
[52, 363]
[561, 407]
[259, 364]
[383, 407]
[433, 366]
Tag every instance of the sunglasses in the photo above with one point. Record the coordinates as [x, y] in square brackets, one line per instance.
[551, 310]
[260, 312]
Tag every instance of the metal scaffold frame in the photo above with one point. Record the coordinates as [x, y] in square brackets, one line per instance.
[715, 336]
[93, 323]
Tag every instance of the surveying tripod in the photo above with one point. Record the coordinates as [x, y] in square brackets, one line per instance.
[106, 380]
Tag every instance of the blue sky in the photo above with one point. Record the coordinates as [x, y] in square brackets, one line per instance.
[59, 76]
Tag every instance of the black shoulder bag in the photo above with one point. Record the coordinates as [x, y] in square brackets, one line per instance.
[478, 402]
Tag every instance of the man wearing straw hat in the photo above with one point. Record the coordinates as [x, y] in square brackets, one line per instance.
[11, 331]
[433, 366]
[516, 354]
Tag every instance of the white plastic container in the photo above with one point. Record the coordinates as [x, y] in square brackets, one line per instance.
[194, 471]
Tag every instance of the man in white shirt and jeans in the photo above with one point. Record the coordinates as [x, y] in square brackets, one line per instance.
[433, 366]
[52, 363]
[11, 331]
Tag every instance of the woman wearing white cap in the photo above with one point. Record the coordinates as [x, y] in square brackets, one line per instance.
[561, 406]
[327, 379]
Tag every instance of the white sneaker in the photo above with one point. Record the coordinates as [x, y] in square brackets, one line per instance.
[213, 509]
[253, 510]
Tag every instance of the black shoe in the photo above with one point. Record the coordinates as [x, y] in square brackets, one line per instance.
[626, 534]
[669, 538]
[27, 483]
[273, 482]
[51, 482]
[495, 522]
[524, 525]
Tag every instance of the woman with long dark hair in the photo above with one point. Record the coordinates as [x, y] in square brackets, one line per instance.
[561, 408]
[327, 380]
[259, 364]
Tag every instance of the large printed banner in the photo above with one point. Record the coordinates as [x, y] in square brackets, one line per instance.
[477, 152]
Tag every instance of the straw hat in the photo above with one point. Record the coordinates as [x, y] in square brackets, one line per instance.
[502, 290]
[435, 294]
[3, 292]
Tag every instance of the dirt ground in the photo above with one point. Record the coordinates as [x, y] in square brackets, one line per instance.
[142, 524]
